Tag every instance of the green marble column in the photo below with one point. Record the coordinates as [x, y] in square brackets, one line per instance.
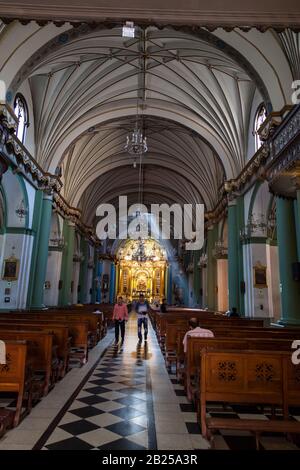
[233, 256]
[67, 263]
[287, 250]
[212, 234]
[41, 225]
[83, 275]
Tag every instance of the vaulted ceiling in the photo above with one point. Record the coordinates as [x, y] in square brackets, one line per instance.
[194, 94]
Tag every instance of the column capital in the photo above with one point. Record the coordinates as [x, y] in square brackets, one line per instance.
[232, 200]
[48, 196]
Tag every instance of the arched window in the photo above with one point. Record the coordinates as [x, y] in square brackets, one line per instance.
[20, 109]
[259, 119]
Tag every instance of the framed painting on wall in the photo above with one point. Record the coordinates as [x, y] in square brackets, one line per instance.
[260, 276]
[11, 269]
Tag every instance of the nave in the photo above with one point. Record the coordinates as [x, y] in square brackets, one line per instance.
[124, 398]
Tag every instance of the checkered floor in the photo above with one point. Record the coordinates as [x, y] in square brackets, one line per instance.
[125, 403]
[233, 440]
[111, 411]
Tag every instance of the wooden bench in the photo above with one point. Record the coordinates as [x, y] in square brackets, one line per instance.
[249, 377]
[60, 334]
[40, 346]
[78, 329]
[173, 350]
[195, 347]
[206, 319]
[15, 378]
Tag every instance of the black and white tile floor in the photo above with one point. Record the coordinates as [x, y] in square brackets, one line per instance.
[233, 440]
[124, 399]
[111, 411]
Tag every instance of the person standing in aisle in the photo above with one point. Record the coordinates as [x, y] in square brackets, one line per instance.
[120, 316]
[142, 309]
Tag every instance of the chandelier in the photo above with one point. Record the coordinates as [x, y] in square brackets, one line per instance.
[21, 210]
[136, 143]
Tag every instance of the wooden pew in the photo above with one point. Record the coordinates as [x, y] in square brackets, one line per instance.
[205, 319]
[78, 329]
[195, 347]
[14, 378]
[40, 354]
[96, 325]
[172, 345]
[243, 377]
[60, 337]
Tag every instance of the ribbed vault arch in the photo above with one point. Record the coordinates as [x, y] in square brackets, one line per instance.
[195, 92]
[98, 158]
[172, 72]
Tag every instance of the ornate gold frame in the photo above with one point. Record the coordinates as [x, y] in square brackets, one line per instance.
[5, 275]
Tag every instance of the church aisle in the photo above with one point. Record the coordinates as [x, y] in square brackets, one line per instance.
[127, 403]
[125, 399]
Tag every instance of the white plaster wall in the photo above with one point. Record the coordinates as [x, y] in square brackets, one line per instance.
[273, 281]
[53, 275]
[31, 191]
[247, 200]
[222, 283]
[19, 246]
[260, 206]
[14, 196]
[255, 297]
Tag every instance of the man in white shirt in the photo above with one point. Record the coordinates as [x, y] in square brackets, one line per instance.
[142, 309]
[196, 331]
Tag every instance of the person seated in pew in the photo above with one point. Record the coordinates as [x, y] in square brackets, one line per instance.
[196, 331]
[233, 313]
[163, 306]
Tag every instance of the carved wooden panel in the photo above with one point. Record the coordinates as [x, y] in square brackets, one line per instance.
[6, 367]
[227, 371]
[264, 372]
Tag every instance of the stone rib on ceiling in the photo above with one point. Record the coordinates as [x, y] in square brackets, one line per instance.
[98, 160]
[100, 69]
